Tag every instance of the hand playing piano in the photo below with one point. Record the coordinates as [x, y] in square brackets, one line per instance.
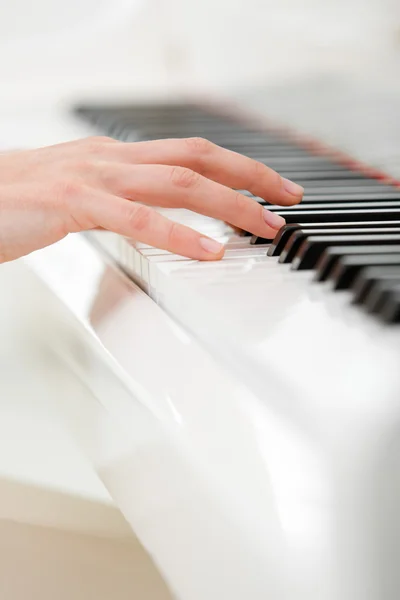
[102, 183]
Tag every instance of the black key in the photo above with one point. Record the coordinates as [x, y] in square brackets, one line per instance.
[356, 188]
[326, 185]
[390, 312]
[336, 202]
[309, 163]
[337, 216]
[263, 153]
[312, 248]
[283, 235]
[257, 145]
[225, 137]
[364, 281]
[318, 162]
[331, 256]
[297, 238]
[303, 176]
[348, 267]
[261, 150]
[349, 196]
[173, 128]
[262, 147]
[380, 293]
[336, 207]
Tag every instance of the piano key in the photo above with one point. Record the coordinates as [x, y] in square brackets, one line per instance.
[264, 153]
[297, 238]
[262, 144]
[390, 312]
[359, 205]
[349, 196]
[222, 136]
[300, 176]
[262, 150]
[380, 293]
[321, 201]
[326, 185]
[353, 187]
[312, 248]
[332, 200]
[364, 281]
[140, 125]
[347, 268]
[306, 163]
[337, 216]
[331, 256]
[283, 235]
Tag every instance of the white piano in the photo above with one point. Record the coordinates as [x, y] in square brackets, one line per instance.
[244, 418]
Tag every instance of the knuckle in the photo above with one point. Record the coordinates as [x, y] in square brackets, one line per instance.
[276, 180]
[263, 173]
[97, 144]
[241, 202]
[66, 190]
[139, 217]
[174, 235]
[198, 145]
[184, 178]
[259, 170]
[83, 165]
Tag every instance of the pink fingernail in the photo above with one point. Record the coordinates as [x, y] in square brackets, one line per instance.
[273, 220]
[210, 245]
[292, 188]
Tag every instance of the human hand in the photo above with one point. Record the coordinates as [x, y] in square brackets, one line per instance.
[47, 193]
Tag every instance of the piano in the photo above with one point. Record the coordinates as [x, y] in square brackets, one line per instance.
[247, 409]
[243, 414]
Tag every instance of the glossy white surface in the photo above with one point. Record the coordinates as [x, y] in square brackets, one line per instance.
[251, 439]
[240, 451]
[320, 384]
[38, 458]
[324, 416]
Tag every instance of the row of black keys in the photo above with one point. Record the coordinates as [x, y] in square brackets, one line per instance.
[364, 259]
[321, 175]
[348, 225]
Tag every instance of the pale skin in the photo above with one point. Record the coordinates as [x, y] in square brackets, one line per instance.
[47, 193]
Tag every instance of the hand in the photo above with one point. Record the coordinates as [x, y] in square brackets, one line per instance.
[101, 183]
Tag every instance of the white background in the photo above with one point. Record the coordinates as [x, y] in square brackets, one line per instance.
[56, 47]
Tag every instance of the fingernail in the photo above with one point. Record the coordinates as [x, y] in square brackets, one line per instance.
[273, 220]
[210, 245]
[292, 188]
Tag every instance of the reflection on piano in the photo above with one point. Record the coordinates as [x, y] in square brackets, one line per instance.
[248, 408]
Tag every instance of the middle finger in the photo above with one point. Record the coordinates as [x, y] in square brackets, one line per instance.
[178, 187]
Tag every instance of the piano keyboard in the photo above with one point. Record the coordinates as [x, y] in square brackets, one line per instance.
[345, 232]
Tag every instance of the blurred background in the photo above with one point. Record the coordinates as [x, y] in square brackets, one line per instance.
[146, 45]
[329, 67]
[305, 64]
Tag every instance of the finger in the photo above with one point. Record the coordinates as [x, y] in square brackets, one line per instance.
[177, 187]
[223, 166]
[146, 225]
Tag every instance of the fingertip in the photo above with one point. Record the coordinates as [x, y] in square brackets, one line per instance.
[273, 220]
[294, 190]
[213, 250]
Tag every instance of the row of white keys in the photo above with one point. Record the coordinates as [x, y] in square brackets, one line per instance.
[142, 261]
